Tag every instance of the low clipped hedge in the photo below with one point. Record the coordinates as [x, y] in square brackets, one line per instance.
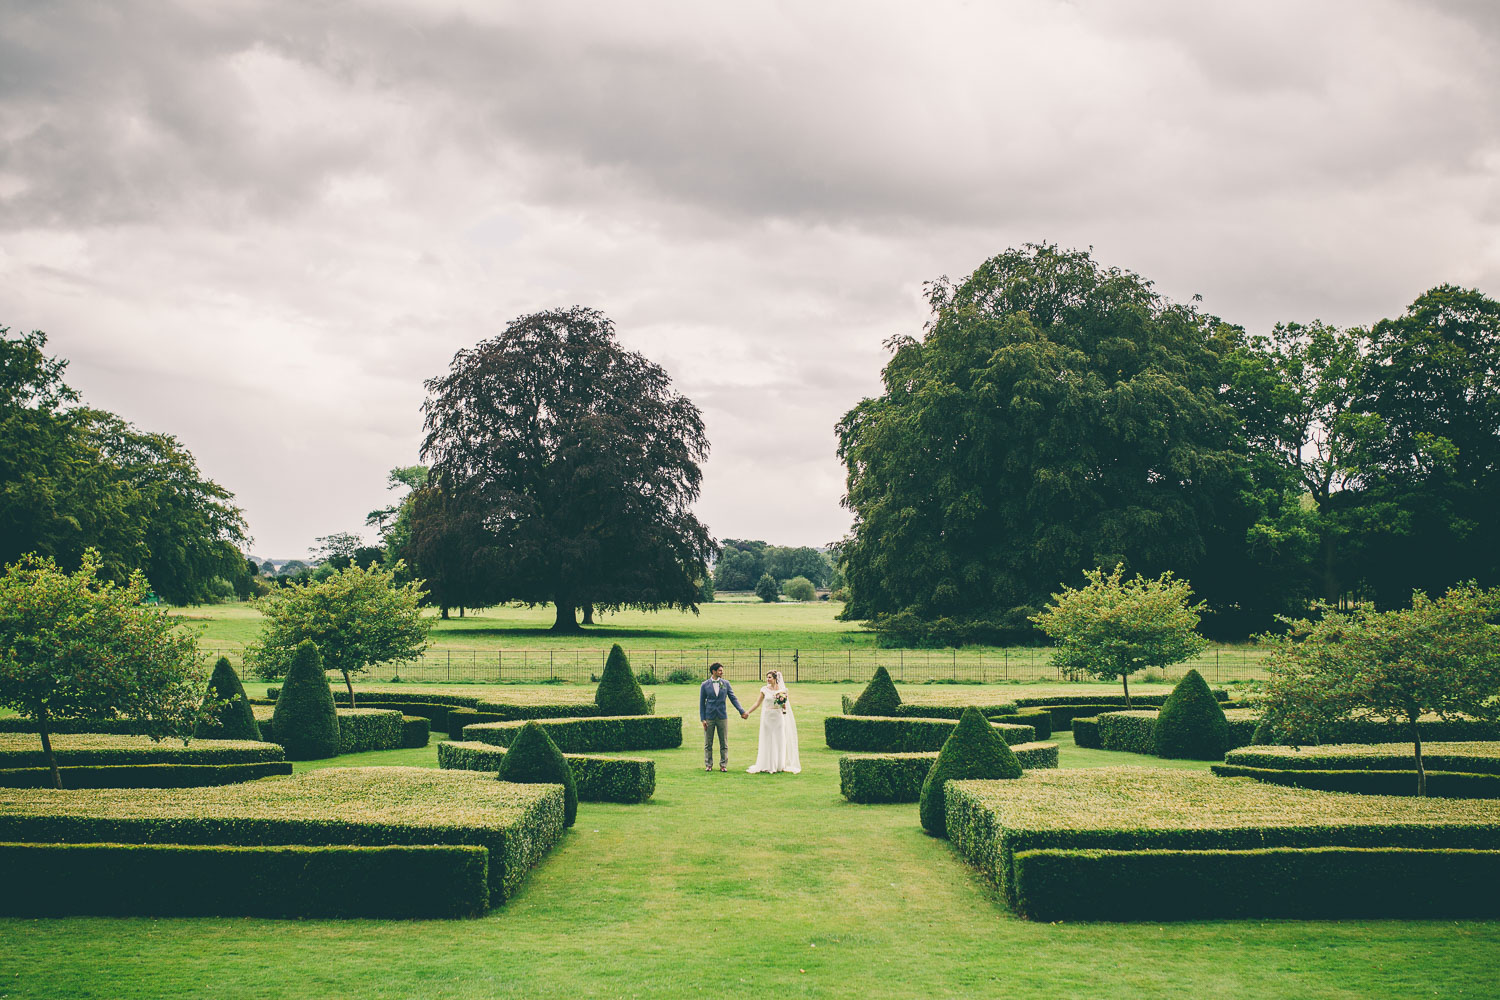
[883, 734]
[1440, 784]
[360, 729]
[175, 880]
[112, 727]
[331, 806]
[599, 779]
[1113, 700]
[383, 698]
[1296, 882]
[1472, 758]
[603, 733]
[513, 711]
[923, 710]
[1086, 733]
[897, 777]
[416, 731]
[18, 750]
[1135, 731]
[143, 775]
[1039, 721]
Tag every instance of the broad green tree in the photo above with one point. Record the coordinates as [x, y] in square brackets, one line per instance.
[1112, 627]
[75, 646]
[358, 617]
[800, 588]
[767, 589]
[1439, 656]
[581, 462]
[741, 562]
[785, 562]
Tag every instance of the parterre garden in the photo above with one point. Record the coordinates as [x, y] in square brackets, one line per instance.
[603, 860]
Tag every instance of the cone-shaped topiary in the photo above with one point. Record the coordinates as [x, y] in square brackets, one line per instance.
[879, 696]
[533, 759]
[234, 720]
[1191, 723]
[619, 693]
[973, 750]
[305, 722]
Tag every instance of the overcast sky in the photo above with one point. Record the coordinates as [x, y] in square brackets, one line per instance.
[260, 226]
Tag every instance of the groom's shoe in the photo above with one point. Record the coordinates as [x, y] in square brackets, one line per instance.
[724, 767]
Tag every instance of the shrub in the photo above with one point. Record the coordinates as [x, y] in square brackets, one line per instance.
[416, 731]
[598, 779]
[800, 588]
[1135, 731]
[365, 729]
[304, 721]
[938, 710]
[881, 735]
[1474, 758]
[879, 696]
[1086, 733]
[682, 675]
[533, 759]
[234, 720]
[95, 750]
[143, 775]
[767, 589]
[646, 677]
[1440, 784]
[1039, 721]
[619, 693]
[972, 750]
[898, 777]
[160, 880]
[1191, 724]
[604, 733]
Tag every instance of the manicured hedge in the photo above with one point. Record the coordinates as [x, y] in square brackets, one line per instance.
[1115, 700]
[1135, 731]
[360, 729]
[143, 775]
[114, 727]
[1148, 808]
[898, 777]
[1039, 721]
[1472, 758]
[1296, 882]
[881, 734]
[416, 731]
[25, 750]
[383, 698]
[1086, 733]
[513, 711]
[599, 779]
[173, 880]
[927, 710]
[1440, 784]
[331, 806]
[605, 733]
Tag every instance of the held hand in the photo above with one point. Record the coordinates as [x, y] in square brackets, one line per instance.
[744, 715]
[705, 723]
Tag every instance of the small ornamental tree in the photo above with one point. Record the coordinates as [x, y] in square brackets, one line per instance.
[1439, 657]
[767, 589]
[533, 759]
[357, 617]
[972, 750]
[800, 588]
[305, 722]
[619, 693]
[74, 646]
[1113, 627]
[1191, 723]
[879, 696]
[234, 719]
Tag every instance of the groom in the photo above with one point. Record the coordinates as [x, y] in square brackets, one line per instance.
[715, 716]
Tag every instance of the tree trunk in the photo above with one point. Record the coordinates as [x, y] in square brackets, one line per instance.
[1416, 736]
[588, 612]
[1125, 679]
[445, 612]
[41, 725]
[566, 619]
[350, 685]
[1330, 578]
[460, 611]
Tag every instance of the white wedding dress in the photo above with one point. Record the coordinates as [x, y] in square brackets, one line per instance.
[778, 737]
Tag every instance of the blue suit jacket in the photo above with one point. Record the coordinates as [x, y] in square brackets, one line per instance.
[711, 706]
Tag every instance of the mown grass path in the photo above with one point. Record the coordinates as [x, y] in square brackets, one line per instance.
[738, 885]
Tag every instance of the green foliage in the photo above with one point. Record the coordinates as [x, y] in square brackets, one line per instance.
[1191, 724]
[1481, 757]
[1041, 721]
[767, 589]
[305, 722]
[879, 697]
[74, 646]
[605, 733]
[357, 617]
[786, 563]
[682, 675]
[1135, 731]
[972, 750]
[1439, 656]
[873, 734]
[416, 731]
[533, 759]
[598, 779]
[619, 693]
[234, 719]
[740, 564]
[1086, 733]
[898, 777]
[97, 750]
[143, 775]
[360, 729]
[1113, 627]
[1439, 784]
[800, 588]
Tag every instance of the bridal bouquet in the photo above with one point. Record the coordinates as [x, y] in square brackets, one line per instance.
[780, 702]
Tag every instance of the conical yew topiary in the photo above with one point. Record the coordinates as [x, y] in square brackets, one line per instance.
[1191, 724]
[533, 759]
[234, 720]
[305, 722]
[972, 750]
[619, 693]
[879, 696]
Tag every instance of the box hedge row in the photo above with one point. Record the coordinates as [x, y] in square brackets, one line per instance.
[332, 806]
[1440, 784]
[19, 750]
[514, 711]
[1039, 721]
[1113, 700]
[880, 734]
[897, 777]
[921, 710]
[599, 779]
[416, 731]
[1293, 882]
[105, 727]
[143, 775]
[602, 733]
[1471, 758]
[360, 729]
[175, 880]
[384, 698]
[1086, 733]
[1135, 731]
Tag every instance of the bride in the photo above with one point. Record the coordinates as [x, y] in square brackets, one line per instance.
[778, 729]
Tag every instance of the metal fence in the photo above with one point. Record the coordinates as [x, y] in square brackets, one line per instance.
[981, 666]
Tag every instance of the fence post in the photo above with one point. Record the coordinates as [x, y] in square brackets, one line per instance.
[1007, 663]
[551, 670]
[500, 665]
[902, 666]
[955, 663]
[796, 666]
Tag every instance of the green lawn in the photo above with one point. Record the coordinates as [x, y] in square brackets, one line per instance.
[733, 885]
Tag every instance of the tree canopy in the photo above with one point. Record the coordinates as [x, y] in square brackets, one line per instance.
[579, 462]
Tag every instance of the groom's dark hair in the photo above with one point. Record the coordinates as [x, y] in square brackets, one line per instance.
[714, 666]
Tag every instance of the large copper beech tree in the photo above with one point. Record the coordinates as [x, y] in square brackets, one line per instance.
[581, 463]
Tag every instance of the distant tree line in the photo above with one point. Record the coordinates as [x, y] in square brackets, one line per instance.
[742, 562]
[1057, 416]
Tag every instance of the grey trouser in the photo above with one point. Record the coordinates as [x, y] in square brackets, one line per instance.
[720, 726]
